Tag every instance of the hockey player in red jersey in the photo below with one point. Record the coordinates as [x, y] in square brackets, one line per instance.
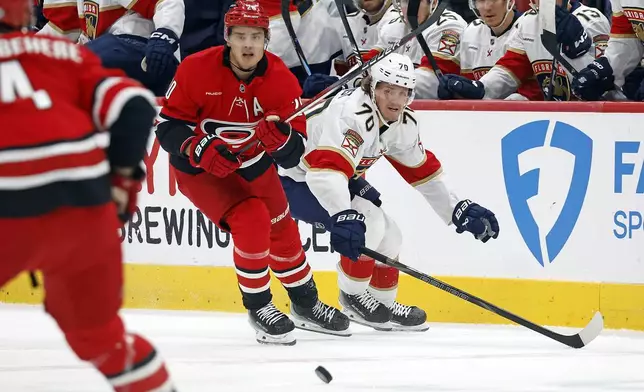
[73, 135]
[223, 100]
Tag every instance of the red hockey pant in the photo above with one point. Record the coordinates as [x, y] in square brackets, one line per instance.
[257, 215]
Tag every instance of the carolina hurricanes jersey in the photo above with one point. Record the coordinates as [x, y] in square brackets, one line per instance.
[56, 104]
[626, 45]
[345, 140]
[88, 19]
[274, 7]
[371, 34]
[481, 49]
[207, 96]
[526, 57]
[444, 40]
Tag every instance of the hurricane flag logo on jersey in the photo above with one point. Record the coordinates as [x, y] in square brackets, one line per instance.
[523, 185]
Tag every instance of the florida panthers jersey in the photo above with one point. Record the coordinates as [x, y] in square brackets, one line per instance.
[526, 57]
[444, 40]
[371, 34]
[345, 138]
[481, 49]
[88, 19]
[626, 44]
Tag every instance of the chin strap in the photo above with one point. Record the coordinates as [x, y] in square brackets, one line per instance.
[242, 69]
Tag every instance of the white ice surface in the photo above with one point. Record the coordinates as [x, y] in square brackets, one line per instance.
[218, 352]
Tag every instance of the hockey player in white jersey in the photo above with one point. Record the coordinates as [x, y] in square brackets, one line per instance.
[624, 52]
[139, 37]
[582, 32]
[486, 40]
[443, 39]
[375, 25]
[347, 134]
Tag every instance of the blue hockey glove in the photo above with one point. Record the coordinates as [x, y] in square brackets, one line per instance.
[159, 54]
[634, 85]
[594, 80]
[457, 86]
[358, 186]
[316, 83]
[572, 36]
[480, 221]
[347, 233]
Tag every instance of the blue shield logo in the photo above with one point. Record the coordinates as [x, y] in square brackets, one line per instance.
[521, 187]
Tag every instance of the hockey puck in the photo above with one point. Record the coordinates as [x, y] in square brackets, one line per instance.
[323, 374]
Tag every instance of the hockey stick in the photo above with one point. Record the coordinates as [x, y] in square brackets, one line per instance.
[358, 69]
[412, 16]
[553, 72]
[578, 340]
[286, 15]
[347, 28]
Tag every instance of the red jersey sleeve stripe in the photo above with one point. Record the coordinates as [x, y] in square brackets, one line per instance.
[428, 169]
[329, 159]
[110, 97]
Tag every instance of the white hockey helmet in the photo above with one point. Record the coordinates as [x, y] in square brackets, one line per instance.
[396, 69]
[509, 7]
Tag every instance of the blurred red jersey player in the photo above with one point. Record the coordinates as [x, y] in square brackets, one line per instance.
[73, 137]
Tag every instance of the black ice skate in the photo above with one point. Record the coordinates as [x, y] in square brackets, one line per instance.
[366, 310]
[321, 318]
[272, 326]
[408, 318]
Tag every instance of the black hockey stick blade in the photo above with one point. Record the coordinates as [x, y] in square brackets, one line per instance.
[286, 16]
[358, 69]
[578, 340]
[412, 17]
[342, 10]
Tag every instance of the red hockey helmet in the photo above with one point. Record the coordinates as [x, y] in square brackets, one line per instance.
[245, 13]
[15, 13]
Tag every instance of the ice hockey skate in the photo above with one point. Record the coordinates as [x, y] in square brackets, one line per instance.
[365, 309]
[272, 326]
[408, 318]
[321, 318]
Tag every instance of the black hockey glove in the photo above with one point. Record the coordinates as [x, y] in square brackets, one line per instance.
[594, 80]
[160, 61]
[460, 87]
[479, 221]
[358, 186]
[316, 83]
[347, 233]
[572, 36]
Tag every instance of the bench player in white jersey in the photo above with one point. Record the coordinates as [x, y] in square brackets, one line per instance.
[375, 25]
[347, 134]
[140, 37]
[583, 33]
[624, 52]
[486, 40]
[315, 29]
[443, 39]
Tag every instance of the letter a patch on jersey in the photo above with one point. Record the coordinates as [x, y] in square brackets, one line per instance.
[449, 42]
[352, 142]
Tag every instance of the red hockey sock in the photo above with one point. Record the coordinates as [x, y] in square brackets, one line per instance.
[249, 224]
